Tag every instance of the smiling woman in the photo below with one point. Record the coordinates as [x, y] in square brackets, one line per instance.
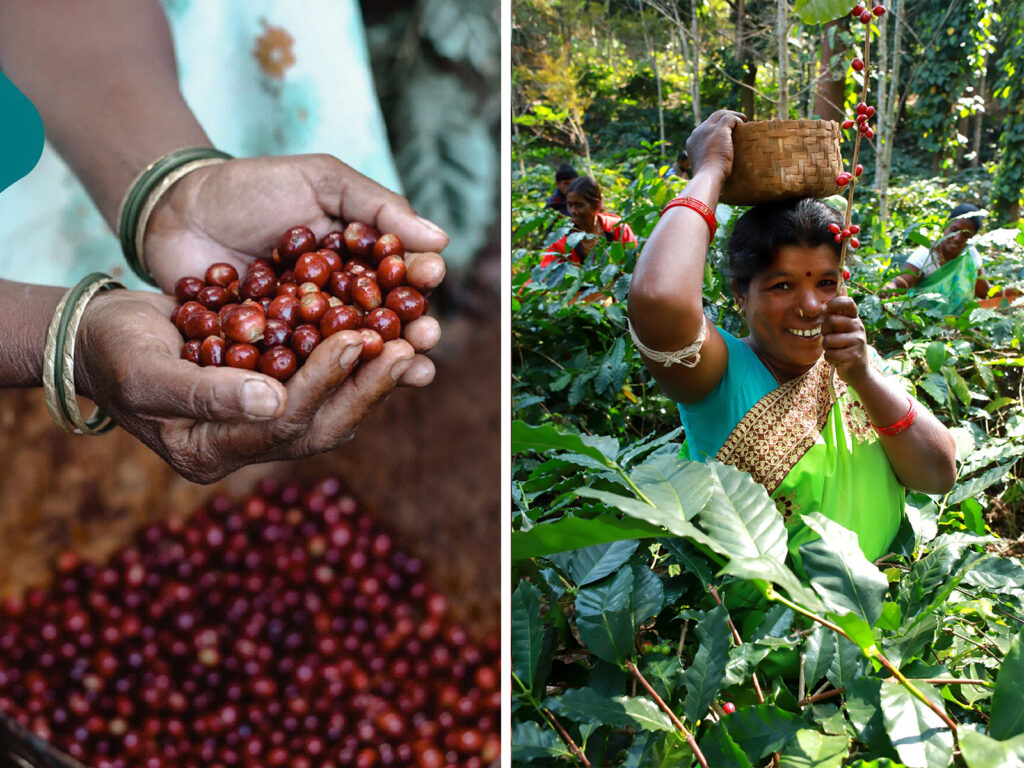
[800, 403]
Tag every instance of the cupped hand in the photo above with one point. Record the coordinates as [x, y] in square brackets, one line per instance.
[710, 145]
[236, 211]
[207, 422]
[844, 340]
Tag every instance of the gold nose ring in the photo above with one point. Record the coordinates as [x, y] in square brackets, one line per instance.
[799, 312]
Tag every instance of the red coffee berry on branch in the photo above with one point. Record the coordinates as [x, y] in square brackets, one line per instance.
[862, 108]
[854, 242]
[847, 124]
[834, 228]
[857, 10]
[866, 17]
[846, 274]
[857, 65]
[854, 229]
[728, 707]
[858, 170]
[878, 10]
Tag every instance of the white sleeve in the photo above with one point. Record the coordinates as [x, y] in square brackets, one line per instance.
[975, 255]
[918, 258]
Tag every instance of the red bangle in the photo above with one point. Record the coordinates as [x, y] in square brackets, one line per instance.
[695, 205]
[902, 424]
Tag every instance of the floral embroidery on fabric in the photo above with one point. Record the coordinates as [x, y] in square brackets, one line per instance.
[783, 425]
[273, 50]
[857, 421]
[786, 507]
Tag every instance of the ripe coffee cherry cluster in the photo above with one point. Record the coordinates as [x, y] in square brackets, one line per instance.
[840, 233]
[865, 15]
[864, 113]
[285, 630]
[273, 317]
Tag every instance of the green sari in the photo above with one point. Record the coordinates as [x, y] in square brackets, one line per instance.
[955, 280]
[810, 444]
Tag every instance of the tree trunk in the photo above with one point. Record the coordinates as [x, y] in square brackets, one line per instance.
[695, 49]
[830, 92]
[747, 95]
[657, 81]
[782, 41]
[979, 117]
[884, 155]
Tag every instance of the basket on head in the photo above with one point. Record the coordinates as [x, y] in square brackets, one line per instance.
[783, 159]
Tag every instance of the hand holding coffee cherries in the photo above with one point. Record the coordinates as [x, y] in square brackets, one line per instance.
[207, 422]
[234, 212]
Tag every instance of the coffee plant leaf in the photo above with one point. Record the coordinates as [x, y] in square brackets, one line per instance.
[1008, 698]
[820, 11]
[593, 563]
[463, 30]
[934, 577]
[648, 593]
[758, 730]
[864, 708]
[767, 570]
[777, 622]
[882, 762]
[703, 678]
[527, 633]
[981, 751]
[587, 705]
[817, 653]
[935, 356]
[567, 533]
[657, 751]
[532, 741]
[670, 519]
[720, 749]
[546, 438]
[810, 749]
[976, 485]
[649, 445]
[854, 626]
[663, 672]
[847, 664]
[743, 659]
[604, 617]
[687, 555]
[841, 575]
[1002, 575]
[676, 487]
[918, 735]
[741, 517]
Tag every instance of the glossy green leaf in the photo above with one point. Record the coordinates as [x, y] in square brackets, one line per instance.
[532, 741]
[1008, 698]
[810, 749]
[692, 560]
[762, 729]
[604, 617]
[864, 708]
[981, 751]
[546, 438]
[1002, 575]
[586, 704]
[703, 678]
[920, 738]
[844, 579]
[593, 563]
[671, 520]
[570, 533]
[978, 484]
[935, 355]
[854, 626]
[847, 664]
[820, 11]
[674, 486]
[767, 570]
[527, 632]
[720, 750]
[817, 653]
[741, 517]
[648, 593]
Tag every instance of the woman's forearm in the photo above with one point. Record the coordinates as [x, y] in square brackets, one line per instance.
[25, 313]
[102, 75]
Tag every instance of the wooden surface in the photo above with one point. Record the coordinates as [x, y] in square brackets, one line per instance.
[426, 464]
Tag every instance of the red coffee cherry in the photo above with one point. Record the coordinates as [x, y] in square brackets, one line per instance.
[245, 324]
[244, 356]
[278, 362]
[373, 344]
[866, 17]
[360, 239]
[857, 10]
[406, 302]
[366, 293]
[305, 339]
[358, 267]
[340, 284]
[870, 112]
[845, 233]
[391, 272]
[211, 351]
[312, 268]
[846, 274]
[834, 228]
[843, 179]
[869, 133]
[857, 64]
[190, 351]
[335, 241]
[213, 297]
[839, 237]
[287, 289]
[858, 170]
[387, 245]
[385, 322]
[295, 242]
[847, 124]
[332, 258]
[186, 288]
[221, 274]
[338, 319]
[878, 10]
[183, 313]
[285, 308]
[201, 324]
[258, 283]
[312, 307]
[854, 229]
[728, 707]
[277, 333]
[854, 242]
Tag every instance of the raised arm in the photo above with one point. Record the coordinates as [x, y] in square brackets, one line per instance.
[665, 296]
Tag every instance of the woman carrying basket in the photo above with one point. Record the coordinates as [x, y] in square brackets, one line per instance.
[798, 403]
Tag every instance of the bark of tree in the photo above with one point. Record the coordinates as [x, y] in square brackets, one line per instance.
[695, 47]
[830, 91]
[980, 116]
[883, 156]
[782, 41]
[657, 81]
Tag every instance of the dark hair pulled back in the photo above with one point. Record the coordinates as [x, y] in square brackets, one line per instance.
[587, 188]
[760, 232]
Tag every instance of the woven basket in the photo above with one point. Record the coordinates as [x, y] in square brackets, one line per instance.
[783, 159]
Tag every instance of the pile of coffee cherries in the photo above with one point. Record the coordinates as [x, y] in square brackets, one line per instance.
[284, 630]
[273, 317]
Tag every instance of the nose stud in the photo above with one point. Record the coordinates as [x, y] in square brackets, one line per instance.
[799, 312]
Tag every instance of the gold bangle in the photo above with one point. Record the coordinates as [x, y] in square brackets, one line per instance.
[59, 358]
[154, 197]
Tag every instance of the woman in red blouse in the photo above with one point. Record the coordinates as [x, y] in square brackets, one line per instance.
[585, 202]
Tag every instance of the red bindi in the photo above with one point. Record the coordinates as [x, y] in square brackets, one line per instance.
[808, 274]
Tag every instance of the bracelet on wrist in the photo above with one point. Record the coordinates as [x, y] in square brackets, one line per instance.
[902, 424]
[695, 205]
[145, 192]
[59, 358]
